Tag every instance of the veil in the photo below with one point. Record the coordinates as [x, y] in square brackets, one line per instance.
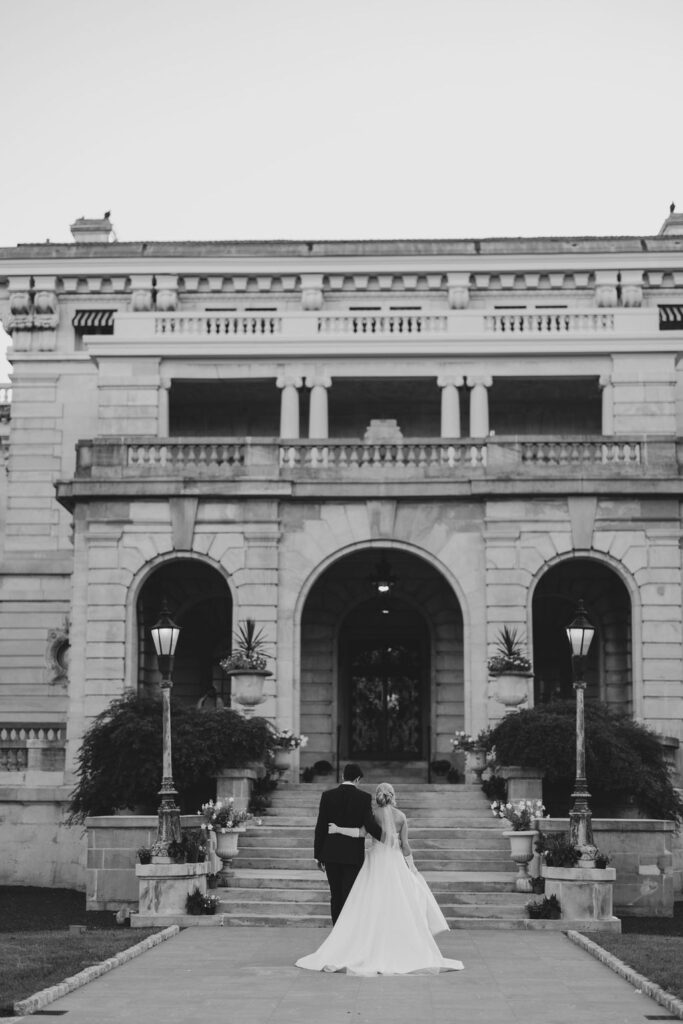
[385, 814]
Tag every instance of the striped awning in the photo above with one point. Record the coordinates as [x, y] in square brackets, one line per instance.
[671, 318]
[94, 320]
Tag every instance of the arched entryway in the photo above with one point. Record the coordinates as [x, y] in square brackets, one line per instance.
[608, 667]
[384, 675]
[381, 673]
[199, 600]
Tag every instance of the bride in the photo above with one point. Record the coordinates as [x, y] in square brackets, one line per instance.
[389, 920]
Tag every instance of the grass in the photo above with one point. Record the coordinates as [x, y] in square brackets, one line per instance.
[653, 946]
[38, 950]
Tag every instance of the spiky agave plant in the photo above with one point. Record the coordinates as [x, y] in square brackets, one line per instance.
[248, 649]
[509, 655]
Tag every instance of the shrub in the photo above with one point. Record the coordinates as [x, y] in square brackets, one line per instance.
[557, 850]
[547, 907]
[119, 763]
[440, 766]
[495, 787]
[624, 759]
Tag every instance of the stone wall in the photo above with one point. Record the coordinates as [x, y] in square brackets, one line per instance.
[36, 846]
[642, 852]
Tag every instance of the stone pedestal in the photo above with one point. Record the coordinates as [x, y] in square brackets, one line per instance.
[584, 894]
[523, 783]
[164, 888]
[236, 783]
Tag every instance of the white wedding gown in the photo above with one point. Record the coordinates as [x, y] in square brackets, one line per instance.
[387, 923]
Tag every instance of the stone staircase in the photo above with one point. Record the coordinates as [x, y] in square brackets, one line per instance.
[456, 842]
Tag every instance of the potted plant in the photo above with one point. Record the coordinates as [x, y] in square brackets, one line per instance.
[226, 822]
[210, 904]
[474, 749]
[144, 854]
[194, 904]
[521, 815]
[246, 665]
[284, 742]
[544, 907]
[510, 668]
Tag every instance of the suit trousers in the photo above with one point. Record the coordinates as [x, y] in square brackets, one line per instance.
[341, 878]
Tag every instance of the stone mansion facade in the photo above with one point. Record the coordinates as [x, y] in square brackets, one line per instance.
[268, 429]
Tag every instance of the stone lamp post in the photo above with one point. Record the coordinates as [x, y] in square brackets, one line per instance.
[165, 636]
[580, 633]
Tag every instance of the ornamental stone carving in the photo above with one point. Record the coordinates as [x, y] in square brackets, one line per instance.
[458, 291]
[141, 293]
[632, 288]
[605, 288]
[312, 291]
[167, 293]
[57, 655]
[46, 310]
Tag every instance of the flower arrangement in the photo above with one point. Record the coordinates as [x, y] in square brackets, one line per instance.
[509, 655]
[520, 814]
[199, 903]
[462, 740]
[285, 739]
[222, 817]
[248, 650]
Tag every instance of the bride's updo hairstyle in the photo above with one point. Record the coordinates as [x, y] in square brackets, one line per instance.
[384, 795]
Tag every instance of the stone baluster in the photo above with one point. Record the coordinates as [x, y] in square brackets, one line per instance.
[318, 423]
[289, 405]
[450, 404]
[479, 405]
[607, 405]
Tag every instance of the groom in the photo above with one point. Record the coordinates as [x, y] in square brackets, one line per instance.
[340, 856]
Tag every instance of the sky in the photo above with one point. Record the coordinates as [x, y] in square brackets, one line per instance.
[311, 119]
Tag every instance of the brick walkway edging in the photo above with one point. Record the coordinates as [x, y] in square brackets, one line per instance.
[639, 981]
[48, 995]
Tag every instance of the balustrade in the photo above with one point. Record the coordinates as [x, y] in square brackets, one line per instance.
[368, 455]
[27, 747]
[200, 456]
[382, 324]
[553, 323]
[213, 325]
[567, 453]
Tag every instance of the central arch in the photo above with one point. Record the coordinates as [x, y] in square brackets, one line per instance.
[381, 674]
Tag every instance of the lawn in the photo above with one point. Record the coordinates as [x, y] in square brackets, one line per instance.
[653, 946]
[36, 947]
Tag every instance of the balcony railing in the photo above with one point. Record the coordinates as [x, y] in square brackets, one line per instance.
[458, 458]
[32, 747]
[274, 330]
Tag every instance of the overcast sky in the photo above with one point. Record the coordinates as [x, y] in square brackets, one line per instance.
[228, 119]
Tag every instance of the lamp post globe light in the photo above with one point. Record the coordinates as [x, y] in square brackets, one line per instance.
[165, 636]
[580, 633]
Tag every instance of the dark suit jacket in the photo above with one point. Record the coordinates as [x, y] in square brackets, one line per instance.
[351, 808]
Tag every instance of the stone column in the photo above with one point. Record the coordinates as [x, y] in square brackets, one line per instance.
[607, 405]
[479, 405]
[450, 404]
[318, 424]
[289, 405]
[163, 421]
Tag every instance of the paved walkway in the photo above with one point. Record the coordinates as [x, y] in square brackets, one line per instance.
[246, 976]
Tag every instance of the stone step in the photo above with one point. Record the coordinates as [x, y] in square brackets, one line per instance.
[258, 896]
[467, 882]
[320, 908]
[460, 862]
[323, 921]
[473, 818]
[267, 836]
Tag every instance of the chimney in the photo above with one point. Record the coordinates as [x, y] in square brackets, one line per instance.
[87, 229]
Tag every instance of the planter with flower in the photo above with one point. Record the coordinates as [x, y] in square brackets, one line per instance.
[284, 743]
[510, 669]
[522, 815]
[246, 665]
[585, 893]
[474, 748]
[226, 822]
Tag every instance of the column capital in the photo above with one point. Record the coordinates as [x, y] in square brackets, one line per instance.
[485, 379]
[289, 380]
[444, 379]
[605, 380]
[319, 380]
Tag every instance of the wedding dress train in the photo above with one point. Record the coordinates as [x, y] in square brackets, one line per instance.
[387, 924]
